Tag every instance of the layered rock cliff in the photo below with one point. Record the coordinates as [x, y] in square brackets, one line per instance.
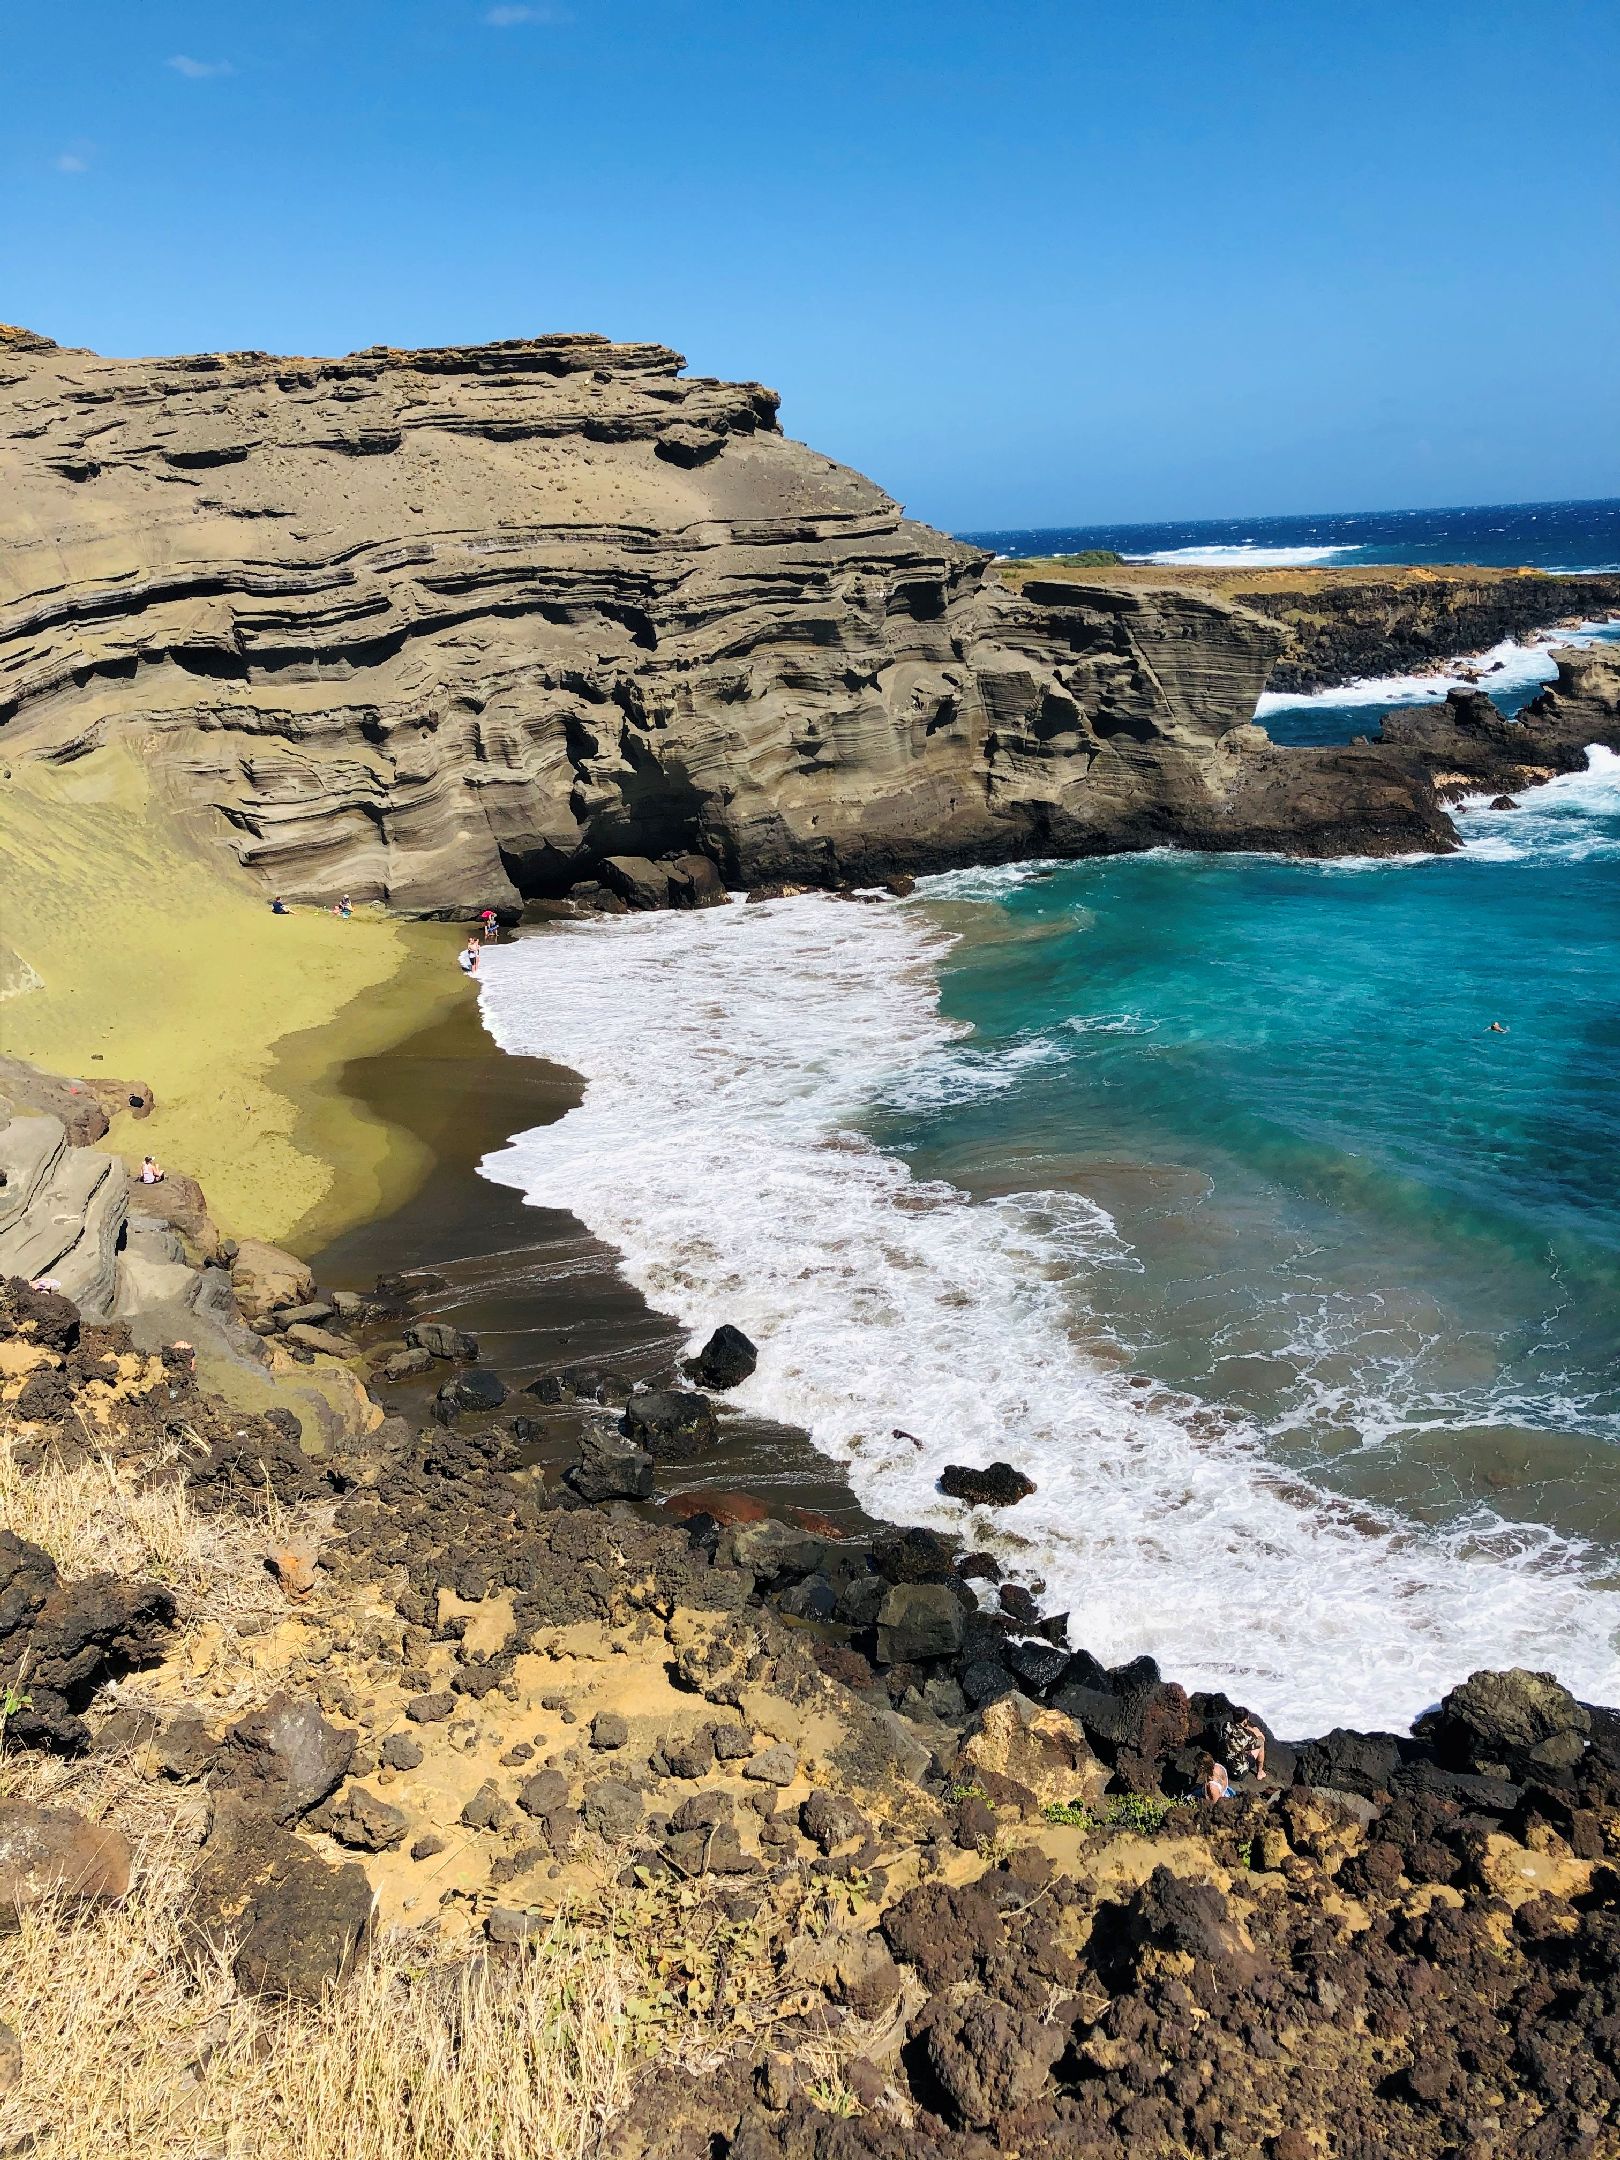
[1351, 625]
[448, 628]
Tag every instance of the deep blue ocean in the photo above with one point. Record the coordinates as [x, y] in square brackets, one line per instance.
[1198, 1186]
[1543, 536]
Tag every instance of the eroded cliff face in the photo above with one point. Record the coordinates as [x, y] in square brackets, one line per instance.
[445, 628]
[1351, 625]
[449, 628]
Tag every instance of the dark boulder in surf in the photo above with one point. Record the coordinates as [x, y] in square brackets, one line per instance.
[1000, 1485]
[468, 1391]
[726, 1359]
[914, 1555]
[442, 1341]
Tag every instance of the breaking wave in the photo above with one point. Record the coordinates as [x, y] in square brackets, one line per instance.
[732, 1058]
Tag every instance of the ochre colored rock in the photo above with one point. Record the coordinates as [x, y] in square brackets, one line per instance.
[52, 1855]
[574, 618]
[1039, 1749]
[266, 1278]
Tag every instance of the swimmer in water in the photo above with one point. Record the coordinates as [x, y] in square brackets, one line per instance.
[1496, 1028]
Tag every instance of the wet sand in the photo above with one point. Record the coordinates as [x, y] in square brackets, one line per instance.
[532, 1284]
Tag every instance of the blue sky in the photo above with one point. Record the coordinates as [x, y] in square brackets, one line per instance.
[1047, 262]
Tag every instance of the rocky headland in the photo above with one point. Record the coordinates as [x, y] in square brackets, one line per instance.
[471, 626]
[1347, 625]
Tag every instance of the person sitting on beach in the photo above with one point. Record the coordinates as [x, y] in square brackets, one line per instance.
[151, 1171]
[467, 958]
[278, 906]
[344, 908]
[1246, 1749]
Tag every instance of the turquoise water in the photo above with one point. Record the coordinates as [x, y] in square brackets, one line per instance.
[1195, 1186]
[1342, 1207]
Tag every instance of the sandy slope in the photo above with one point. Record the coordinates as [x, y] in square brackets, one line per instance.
[157, 959]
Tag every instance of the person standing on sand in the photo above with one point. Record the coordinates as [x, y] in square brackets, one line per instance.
[467, 958]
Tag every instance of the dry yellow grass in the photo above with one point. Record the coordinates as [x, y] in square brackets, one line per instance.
[137, 2048]
[89, 1517]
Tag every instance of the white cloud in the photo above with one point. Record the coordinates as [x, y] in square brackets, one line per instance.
[507, 18]
[199, 70]
[70, 161]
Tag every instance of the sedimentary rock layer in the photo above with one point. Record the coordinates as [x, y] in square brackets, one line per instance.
[449, 628]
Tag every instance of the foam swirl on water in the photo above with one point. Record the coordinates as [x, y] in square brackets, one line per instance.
[730, 1057]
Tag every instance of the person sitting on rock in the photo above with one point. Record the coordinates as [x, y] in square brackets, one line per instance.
[1246, 1750]
[1213, 1782]
[151, 1170]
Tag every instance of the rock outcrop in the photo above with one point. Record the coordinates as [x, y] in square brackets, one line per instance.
[1345, 625]
[1464, 746]
[1350, 624]
[463, 627]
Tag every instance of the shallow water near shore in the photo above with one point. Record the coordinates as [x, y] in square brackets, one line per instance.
[534, 1286]
[1195, 1186]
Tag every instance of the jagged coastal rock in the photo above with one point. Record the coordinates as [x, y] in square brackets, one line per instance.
[461, 627]
[1347, 625]
[1350, 624]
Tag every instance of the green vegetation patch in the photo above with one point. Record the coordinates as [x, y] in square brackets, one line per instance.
[1141, 1812]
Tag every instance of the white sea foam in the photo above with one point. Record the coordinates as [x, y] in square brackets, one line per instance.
[1575, 818]
[965, 1075]
[1112, 1024]
[729, 1057]
[1248, 555]
[1509, 666]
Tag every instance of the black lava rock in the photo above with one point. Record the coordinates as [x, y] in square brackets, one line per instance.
[672, 1424]
[998, 1486]
[725, 1360]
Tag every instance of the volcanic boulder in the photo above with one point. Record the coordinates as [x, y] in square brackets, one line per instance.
[726, 1359]
[998, 1485]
